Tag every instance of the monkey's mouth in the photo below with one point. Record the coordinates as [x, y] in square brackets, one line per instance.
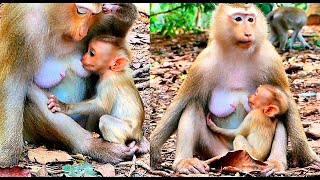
[68, 37]
[85, 66]
[245, 44]
[245, 41]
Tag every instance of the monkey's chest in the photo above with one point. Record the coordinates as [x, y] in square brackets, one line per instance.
[53, 70]
[223, 102]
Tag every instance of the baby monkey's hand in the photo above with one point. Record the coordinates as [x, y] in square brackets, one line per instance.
[55, 105]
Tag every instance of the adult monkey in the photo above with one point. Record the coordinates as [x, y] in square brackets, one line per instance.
[30, 34]
[232, 66]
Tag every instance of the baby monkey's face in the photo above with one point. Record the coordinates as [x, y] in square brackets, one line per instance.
[99, 57]
[261, 98]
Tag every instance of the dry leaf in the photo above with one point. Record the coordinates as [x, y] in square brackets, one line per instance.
[44, 156]
[15, 171]
[238, 160]
[106, 170]
[43, 172]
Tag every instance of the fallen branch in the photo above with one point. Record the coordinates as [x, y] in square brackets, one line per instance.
[143, 85]
[133, 166]
[168, 11]
[141, 70]
[141, 12]
[147, 167]
[141, 79]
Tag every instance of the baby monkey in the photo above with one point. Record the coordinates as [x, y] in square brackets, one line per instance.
[255, 133]
[117, 104]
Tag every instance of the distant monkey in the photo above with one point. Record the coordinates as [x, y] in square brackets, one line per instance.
[287, 18]
[255, 133]
[117, 102]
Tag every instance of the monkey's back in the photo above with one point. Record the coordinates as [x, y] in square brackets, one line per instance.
[292, 16]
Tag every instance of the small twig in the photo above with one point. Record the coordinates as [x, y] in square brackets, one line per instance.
[141, 70]
[147, 167]
[141, 12]
[133, 166]
[141, 79]
[168, 11]
[143, 85]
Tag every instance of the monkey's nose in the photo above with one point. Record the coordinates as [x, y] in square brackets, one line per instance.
[248, 34]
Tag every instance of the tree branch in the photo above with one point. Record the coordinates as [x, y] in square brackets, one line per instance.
[170, 10]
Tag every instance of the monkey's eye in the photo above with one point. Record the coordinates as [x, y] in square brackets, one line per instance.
[92, 53]
[81, 11]
[237, 18]
[250, 19]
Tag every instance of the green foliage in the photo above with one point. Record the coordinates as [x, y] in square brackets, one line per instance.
[80, 170]
[317, 42]
[169, 19]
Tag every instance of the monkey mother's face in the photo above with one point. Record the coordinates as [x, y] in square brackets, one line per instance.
[241, 24]
[244, 26]
[83, 15]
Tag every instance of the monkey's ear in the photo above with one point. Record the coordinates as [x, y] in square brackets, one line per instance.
[119, 63]
[271, 110]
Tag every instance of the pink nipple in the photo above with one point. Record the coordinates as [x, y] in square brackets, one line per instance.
[63, 73]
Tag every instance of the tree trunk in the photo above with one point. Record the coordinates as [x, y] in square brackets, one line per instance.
[313, 13]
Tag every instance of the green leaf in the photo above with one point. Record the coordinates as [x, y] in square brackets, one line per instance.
[80, 170]
[317, 42]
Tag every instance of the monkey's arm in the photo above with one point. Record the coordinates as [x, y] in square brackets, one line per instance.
[91, 106]
[223, 131]
[84, 107]
[243, 129]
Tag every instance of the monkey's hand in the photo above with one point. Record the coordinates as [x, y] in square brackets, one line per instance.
[210, 123]
[143, 146]
[273, 166]
[315, 164]
[192, 166]
[55, 105]
[110, 8]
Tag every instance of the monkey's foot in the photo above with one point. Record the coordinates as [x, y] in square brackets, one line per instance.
[113, 153]
[143, 146]
[192, 166]
[273, 166]
[315, 164]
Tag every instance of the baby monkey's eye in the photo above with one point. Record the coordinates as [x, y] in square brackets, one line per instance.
[92, 53]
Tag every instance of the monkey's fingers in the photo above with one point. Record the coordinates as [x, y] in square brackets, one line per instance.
[51, 104]
[315, 164]
[267, 172]
[192, 166]
[56, 109]
[132, 144]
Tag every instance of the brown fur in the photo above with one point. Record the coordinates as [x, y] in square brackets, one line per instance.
[255, 134]
[28, 34]
[217, 63]
[283, 19]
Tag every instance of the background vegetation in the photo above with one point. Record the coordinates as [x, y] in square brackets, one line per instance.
[169, 19]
